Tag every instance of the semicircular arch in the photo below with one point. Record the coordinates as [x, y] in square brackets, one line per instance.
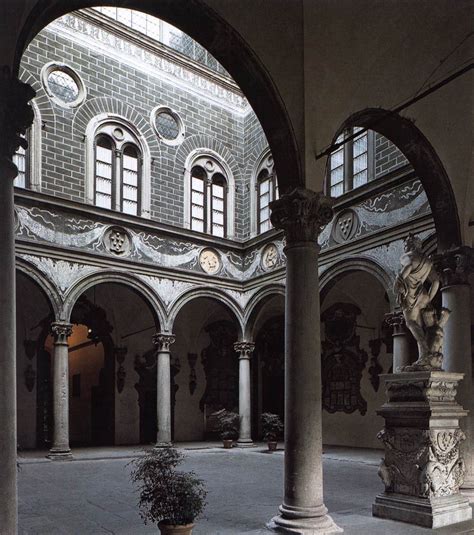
[47, 287]
[141, 288]
[348, 265]
[428, 167]
[210, 293]
[255, 305]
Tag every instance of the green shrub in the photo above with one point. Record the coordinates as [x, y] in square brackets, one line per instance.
[167, 495]
[272, 426]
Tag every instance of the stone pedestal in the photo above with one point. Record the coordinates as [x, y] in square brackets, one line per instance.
[422, 469]
[162, 342]
[245, 350]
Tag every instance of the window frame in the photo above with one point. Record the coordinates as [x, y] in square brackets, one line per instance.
[348, 162]
[263, 163]
[139, 177]
[110, 121]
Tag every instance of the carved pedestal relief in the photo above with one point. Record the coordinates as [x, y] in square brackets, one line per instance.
[422, 468]
[342, 360]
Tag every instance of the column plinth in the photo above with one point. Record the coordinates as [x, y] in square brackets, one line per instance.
[302, 214]
[162, 342]
[245, 350]
[454, 267]
[60, 450]
[16, 116]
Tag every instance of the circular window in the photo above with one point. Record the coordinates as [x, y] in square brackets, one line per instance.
[63, 85]
[168, 125]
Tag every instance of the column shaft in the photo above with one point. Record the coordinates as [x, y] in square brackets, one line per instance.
[457, 358]
[245, 350]
[8, 470]
[60, 449]
[302, 214]
[163, 389]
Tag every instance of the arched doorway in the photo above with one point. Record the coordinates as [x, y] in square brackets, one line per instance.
[206, 330]
[356, 348]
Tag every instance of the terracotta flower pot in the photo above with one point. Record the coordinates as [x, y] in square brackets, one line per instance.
[272, 445]
[228, 443]
[170, 529]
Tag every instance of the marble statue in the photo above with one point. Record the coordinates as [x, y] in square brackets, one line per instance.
[415, 287]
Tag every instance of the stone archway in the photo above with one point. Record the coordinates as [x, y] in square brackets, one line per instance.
[427, 165]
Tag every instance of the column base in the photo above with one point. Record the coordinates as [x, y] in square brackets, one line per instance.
[245, 443]
[427, 512]
[160, 445]
[56, 454]
[303, 521]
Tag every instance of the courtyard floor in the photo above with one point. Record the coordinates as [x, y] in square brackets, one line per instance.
[93, 495]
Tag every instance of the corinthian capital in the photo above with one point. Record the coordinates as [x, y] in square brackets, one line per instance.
[245, 349]
[61, 331]
[302, 214]
[162, 341]
[454, 266]
[16, 115]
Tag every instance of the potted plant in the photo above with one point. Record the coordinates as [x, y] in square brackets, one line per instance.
[228, 426]
[170, 498]
[272, 427]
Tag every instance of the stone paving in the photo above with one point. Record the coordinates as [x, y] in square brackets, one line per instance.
[93, 495]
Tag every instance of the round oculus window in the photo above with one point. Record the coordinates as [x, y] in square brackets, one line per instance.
[168, 125]
[63, 85]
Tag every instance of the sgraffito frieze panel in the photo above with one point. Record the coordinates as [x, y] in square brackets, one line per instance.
[61, 273]
[387, 209]
[61, 229]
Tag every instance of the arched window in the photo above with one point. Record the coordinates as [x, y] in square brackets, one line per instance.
[352, 164]
[117, 169]
[208, 200]
[22, 161]
[267, 191]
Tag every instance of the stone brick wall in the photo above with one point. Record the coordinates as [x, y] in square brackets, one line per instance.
[63, 163]
[387, 156]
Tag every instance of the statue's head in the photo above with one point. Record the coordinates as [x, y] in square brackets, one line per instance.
[412, 243]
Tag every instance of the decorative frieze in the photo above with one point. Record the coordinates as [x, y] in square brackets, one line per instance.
[16, 115]
[454, 266]
[302, 214]
[244, 349]
[163, 341]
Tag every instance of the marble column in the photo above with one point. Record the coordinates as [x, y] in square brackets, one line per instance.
[162, 342]
[302, 214]
[401, 344]
[15, 117]
[454, 267]
[60, 450]
[245, 350]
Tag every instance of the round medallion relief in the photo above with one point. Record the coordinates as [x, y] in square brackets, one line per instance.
[210, 261]
[117, 241]
[269, 256]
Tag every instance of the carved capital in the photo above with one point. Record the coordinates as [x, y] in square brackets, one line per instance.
[61, 330]
[454, 266]
[162, 341]
[245, 349]
[16, 115]
[302, 214]
[396, 320]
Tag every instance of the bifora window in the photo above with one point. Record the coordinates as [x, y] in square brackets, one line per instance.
[118, 163]
[208, 197]
[352, 164]
[267, 191]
